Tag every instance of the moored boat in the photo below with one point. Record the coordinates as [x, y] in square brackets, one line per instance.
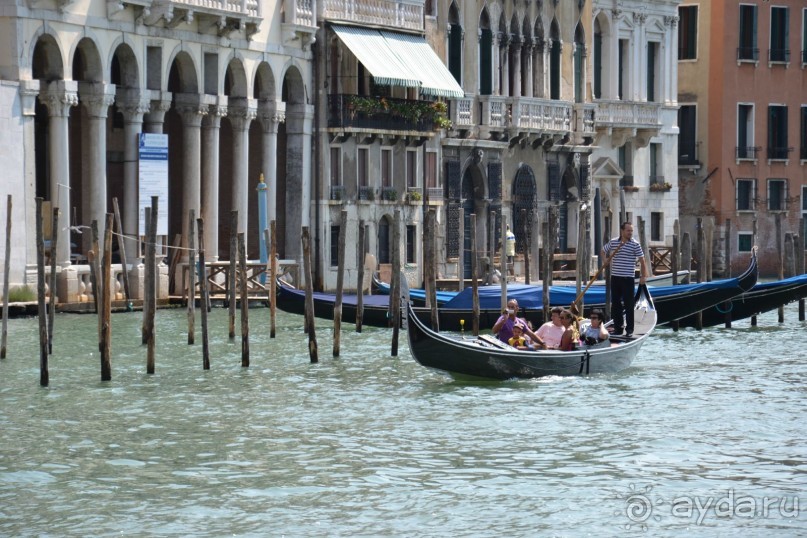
[486, 357]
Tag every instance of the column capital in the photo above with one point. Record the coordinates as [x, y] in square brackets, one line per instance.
[96, 97]
[191, 107]
[29, 91]
[271, 114]
[133, 104]
[59, 96]
[241, 112]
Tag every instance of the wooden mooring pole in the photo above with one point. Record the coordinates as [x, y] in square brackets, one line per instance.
[675, 263]
[313, 352]
[474, 277]
[242, 260]
[203, 294]
[727, 274]
[40, 295]
[395, 298]
[360, 272]
[7, 268]
[146, 276]
[106, 302]
[52, 282]
[231, 272]
[122, 250]
[94, 259]
[340, 284]
[152, 282]
[273, 278]
[431, 277]
[781, 259]
[526, 234]
[192, 276]
[799, 247]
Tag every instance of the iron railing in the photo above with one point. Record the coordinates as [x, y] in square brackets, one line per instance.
[747, 152]
[343, 112]
[779, 153]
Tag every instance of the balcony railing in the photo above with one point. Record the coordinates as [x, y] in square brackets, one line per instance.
[779, 153]
[300, 12]
[462, 112]
[803, 153]
[804, 56]
[401, 14]
[779, 55]
[337, 192]
[628, 114]
[173, 11]
[688, 152]
[748, 54]
[366, 193]
[535, 114]
[434, 193]
[351, 111]
[747, 153]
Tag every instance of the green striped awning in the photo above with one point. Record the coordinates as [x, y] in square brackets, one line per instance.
[435, 77]
[397, 59]
[373, 51]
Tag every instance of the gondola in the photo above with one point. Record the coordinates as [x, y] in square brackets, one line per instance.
[486, 357]
[672, 302]
[763, 297]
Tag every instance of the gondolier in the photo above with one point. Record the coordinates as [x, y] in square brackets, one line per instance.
[626, 251]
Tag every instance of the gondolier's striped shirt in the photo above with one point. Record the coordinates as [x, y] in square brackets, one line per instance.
[624, 263]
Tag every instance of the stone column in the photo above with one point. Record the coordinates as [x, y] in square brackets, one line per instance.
[133, 105]
[96, 98]
[29, 91]
[495, 56]
[160, 104]
[241, 113]
[528, 82]
[211, 125]
[516, 67]
[672, 61]
[503, 58]
[191, 110]
[270, 118]
[59, 96]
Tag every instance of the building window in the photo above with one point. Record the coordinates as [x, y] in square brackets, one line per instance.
[384, 240]
[779, 51]
[334, 246]
[804, 40]
[411, 168]
[652, 62]
[485, 56]
[622, 51]
[362, 166]
[656, 220]
[411, 238]
[431, 171]
[688, 32]
[777, 194]
[597, 60]
[747, 49]
[624, 157]
[454, 43]
[386, 167]
[745, 241]
[656, 177]
[745, 132]
[746, 194]
[803, 132]
[688, 134]
[337, 190]
[777, 132]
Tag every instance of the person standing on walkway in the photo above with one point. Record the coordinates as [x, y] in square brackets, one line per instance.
[623, 271]
[510, 247]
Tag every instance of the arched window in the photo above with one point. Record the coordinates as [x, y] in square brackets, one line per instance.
[597, 60]
[455, 43]
[384, 240]
[554, 61]
[524, 196]
[579, 63]
[485, 55]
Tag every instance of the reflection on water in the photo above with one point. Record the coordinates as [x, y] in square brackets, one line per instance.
[373, 445]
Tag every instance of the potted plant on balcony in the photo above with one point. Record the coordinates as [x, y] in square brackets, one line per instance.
[630, 188]
[660, 187]
[390, 195]
[413, 197]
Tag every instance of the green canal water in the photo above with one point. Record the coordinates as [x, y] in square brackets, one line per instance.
[703, 436]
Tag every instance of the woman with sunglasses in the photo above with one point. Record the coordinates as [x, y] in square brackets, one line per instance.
[595, 332]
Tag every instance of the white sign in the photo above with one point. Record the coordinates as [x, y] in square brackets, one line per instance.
[153, 172]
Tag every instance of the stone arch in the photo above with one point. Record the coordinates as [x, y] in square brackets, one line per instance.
[183, 76]
[264, 87]
[294, 90]
[454, 13]
[524, 197]
[87, 65]
[473, 201]
[123, 67]
[46, 59]
[235, 78]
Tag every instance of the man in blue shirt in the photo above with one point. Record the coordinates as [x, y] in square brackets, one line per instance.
[626, 251]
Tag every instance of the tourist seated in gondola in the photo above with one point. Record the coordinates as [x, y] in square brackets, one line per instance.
[519, 341]
[571, 334]
[595, 331]
[503, 328]
[550, 333]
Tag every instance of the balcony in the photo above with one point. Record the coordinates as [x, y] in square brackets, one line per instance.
[221, 16]
[337, 192]
[624, 120]
[747, 54]
[779, 153]
[393, 14]
[385, 114]
[299, 21]
[778, 56]
[747, 153]
[366, 193]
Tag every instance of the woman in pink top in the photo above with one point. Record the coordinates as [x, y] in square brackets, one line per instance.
[551, 332]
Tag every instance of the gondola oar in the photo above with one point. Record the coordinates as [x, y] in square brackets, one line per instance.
[573, 307]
